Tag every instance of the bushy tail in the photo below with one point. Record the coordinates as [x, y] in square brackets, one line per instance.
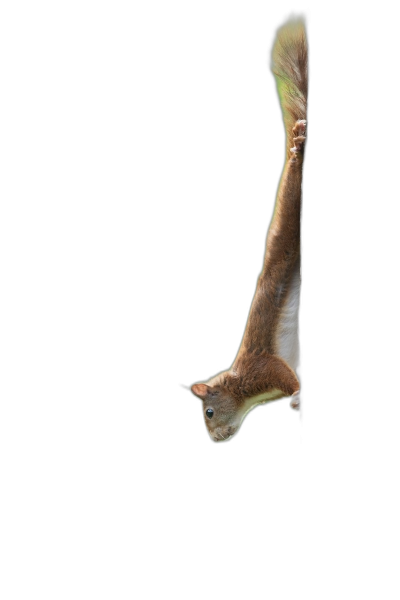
[290, 67]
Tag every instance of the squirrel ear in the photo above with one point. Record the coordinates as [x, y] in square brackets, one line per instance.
[201, 390]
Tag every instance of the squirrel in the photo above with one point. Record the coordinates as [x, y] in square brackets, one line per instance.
[265, 366]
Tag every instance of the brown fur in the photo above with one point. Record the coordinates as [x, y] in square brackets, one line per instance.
[290, 67]
[258, 369]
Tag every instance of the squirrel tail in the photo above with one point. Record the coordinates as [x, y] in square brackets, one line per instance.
[290, 67]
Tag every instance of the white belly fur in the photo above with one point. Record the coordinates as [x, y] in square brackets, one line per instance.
[250, 403]
[287, 341]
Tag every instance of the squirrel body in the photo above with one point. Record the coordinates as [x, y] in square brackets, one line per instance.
[265, 366]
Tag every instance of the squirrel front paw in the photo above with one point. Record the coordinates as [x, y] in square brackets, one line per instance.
[299, 132]
[295, 401]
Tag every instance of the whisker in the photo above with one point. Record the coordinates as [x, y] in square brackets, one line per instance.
[187, 387]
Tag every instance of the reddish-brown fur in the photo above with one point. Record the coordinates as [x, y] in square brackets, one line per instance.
[258, 369]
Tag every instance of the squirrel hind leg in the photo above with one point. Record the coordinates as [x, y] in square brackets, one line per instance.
[299, 136]
[300, 127]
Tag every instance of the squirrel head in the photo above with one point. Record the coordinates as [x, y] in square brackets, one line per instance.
[229, 396]
[221, 410]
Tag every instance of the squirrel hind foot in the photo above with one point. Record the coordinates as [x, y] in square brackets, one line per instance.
[299, 133]
[300, 127]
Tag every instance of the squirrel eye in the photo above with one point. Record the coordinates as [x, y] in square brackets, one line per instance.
[209, 412]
